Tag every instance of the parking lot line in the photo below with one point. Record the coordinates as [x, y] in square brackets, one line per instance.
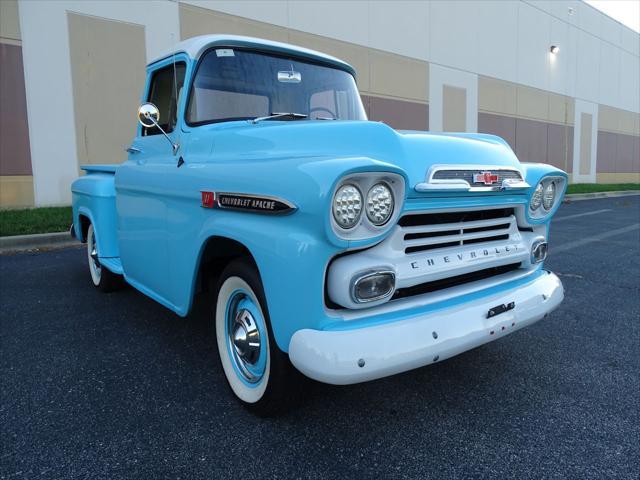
[595, 238]
[567, 217]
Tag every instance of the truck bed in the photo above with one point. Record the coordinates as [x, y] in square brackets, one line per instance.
[100, 168]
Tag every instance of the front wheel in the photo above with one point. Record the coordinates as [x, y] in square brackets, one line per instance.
[104, 280]
[258, 372]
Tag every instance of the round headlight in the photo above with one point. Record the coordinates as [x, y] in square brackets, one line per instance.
[379, 204]
[549, 196]
[536, 198]
[347, 206]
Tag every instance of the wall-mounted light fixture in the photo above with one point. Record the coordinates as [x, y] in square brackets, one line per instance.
[554, 49]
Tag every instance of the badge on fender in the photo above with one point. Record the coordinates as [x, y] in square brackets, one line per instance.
[247, 203]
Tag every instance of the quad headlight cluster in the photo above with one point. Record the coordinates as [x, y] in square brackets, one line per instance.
[348, 205]
[545, 196]
[364, 205]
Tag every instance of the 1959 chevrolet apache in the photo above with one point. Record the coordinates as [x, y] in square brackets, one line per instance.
[332, 244]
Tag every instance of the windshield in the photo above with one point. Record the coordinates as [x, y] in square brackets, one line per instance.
[233, 84]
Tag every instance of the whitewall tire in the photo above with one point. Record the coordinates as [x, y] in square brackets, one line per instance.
[248, 375]
[259, 374]
[102, 278]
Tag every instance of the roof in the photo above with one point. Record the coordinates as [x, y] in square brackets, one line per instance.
[196, 46]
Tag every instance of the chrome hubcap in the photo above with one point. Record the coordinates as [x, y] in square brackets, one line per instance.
[244, 338]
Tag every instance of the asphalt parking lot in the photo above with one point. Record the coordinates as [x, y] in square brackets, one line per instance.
[115, 386]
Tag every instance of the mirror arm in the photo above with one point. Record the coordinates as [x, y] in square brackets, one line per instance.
[175, 146]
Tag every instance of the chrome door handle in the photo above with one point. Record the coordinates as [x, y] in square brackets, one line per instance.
[133, 150]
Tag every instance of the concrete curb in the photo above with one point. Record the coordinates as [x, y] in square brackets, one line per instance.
[41, 241]
[574, 197]
[50, 241]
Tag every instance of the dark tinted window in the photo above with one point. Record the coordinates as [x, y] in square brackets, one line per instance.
[233, 84]
[166, 88]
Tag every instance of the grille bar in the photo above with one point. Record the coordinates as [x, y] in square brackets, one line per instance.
[461, 237]
[466, 228]
[455, 226]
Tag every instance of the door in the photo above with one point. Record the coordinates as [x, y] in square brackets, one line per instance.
[141, 187]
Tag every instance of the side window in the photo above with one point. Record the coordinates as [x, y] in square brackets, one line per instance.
[165, 91]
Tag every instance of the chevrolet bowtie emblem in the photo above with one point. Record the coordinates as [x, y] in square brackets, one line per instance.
[487, 178]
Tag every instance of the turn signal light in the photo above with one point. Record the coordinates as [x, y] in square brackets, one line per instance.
[373, 286]
[539, 251]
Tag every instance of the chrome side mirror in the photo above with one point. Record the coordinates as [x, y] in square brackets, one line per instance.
[148, 116]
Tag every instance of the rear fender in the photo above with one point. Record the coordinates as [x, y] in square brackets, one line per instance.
[94, 202]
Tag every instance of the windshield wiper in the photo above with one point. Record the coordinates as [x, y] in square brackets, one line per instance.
[279, 115]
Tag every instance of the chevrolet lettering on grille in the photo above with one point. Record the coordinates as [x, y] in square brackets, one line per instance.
[468, 256]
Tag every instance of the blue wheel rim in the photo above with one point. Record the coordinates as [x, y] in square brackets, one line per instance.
[246, 338]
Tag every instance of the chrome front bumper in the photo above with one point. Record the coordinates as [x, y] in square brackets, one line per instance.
[343, 357]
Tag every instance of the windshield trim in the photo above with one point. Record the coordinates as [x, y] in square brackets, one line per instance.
[270, 53]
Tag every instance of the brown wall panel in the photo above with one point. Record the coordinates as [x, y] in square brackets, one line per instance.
[624, 158]
[500, 125]
[397, 113]
[531, 140]
[607, 152]
[560, 146]
[15, 154]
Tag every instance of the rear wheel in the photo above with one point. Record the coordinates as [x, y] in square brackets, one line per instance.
[104, 279]
[257, 371]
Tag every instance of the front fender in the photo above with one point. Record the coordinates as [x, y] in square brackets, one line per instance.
[291, 261]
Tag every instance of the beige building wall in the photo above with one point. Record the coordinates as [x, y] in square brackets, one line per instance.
[394, 88]
[394, 77]
[454, 109]
[107, 85]
[618, 146]
[16, 180]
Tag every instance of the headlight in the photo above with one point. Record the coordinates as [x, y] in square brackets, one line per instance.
[549, 196]
[379, 204]
[347, 206]
[536, 199]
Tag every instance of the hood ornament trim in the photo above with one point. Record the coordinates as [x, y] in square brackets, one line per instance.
[514, 182]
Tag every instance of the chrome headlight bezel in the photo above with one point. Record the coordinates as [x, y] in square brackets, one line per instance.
[540, 211]
[364, 228]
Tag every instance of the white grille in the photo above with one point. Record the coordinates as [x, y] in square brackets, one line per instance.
[427, 232]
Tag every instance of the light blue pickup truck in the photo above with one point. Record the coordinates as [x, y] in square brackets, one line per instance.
[330, 245]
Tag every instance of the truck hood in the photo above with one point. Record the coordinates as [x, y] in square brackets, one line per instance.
[308, 141]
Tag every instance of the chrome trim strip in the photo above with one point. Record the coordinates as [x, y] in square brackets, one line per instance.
[457, 185]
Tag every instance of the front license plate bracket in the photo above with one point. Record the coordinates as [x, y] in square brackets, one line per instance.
[497, 310]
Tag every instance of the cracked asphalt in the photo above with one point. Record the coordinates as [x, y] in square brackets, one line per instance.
[115, 386]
